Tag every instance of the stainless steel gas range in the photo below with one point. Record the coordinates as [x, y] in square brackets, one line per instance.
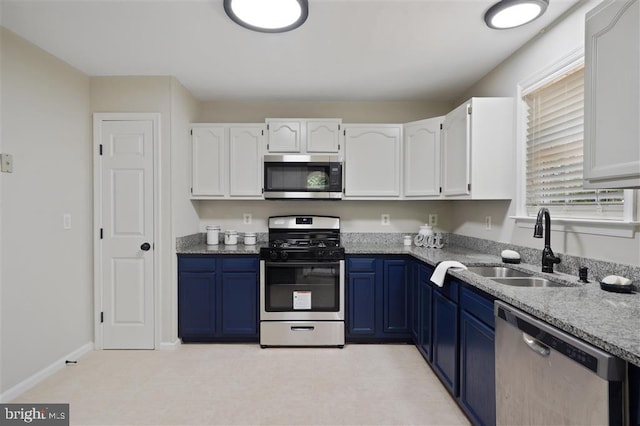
[302, 283]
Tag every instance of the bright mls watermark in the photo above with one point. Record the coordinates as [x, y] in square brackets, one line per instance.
[34, 414]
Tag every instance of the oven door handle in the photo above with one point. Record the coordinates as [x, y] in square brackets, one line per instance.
[304, 263]
[302, 328]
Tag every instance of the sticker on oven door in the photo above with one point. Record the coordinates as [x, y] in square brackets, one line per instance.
[301, 300]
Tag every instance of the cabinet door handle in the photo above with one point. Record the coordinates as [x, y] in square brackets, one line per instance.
[535, 345]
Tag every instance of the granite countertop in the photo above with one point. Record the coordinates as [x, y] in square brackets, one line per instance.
[610, 321]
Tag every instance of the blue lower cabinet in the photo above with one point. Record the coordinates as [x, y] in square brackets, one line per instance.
[196, 302]
[377, 300]
[445, 341]
[362, 304]
[396, 297]
[424, 343]
[217, 298]
[239, 307]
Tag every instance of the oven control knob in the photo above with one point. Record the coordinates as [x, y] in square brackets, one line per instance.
[273, 254]
[284, 255]
[320, 254]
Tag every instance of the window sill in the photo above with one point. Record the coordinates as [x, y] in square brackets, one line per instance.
[584, 226]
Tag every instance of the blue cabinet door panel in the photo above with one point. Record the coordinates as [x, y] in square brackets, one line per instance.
[396, 319]
[196, 304]
[445, 341]
[239, 303]
[362, 303]
[477, 370]
[424, 339]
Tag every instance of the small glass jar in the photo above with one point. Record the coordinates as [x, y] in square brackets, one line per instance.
[408, 240]
[230, 238]
[213, 235]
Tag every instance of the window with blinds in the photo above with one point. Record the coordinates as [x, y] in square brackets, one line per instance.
[554, 138]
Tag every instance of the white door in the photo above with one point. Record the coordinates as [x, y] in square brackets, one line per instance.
[245, 161]
[209, 161]
[126, 245]
[323, 136]
[284, 135]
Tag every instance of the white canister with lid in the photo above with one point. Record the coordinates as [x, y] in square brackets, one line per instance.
[213, 235]
[230, 238]
[426, 230]
[249, 238]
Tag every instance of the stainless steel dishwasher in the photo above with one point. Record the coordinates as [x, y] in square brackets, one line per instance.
[546, 377]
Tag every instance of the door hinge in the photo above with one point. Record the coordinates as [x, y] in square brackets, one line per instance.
[441, 190]
[262, 131]
[101, 317]
[100, 149]
[101, 233]
[440, 126]
[344, 132]
[267, 127]
[469, 109]
[338, 147]
[338, 127]
[191, 190]
[469, 187]
[191, 132]
[267, 147]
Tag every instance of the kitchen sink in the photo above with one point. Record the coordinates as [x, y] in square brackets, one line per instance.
[528, 282]
[498, 272]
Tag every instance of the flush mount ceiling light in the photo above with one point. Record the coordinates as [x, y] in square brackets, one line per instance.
[513, 13]
[268, 16]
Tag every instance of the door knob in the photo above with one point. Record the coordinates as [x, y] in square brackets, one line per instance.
[145, 247]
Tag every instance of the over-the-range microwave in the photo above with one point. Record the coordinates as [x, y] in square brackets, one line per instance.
[293, 176]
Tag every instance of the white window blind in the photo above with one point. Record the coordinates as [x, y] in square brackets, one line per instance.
[554, 138]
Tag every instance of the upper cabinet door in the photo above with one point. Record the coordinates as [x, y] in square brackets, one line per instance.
[455, 151]
[209, 161]
[372, 160]
[612, 96]
[422, 158]
[323, 136]
[284, 135]
[245, 160]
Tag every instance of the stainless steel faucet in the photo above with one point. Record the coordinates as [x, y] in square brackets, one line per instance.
[548, 258]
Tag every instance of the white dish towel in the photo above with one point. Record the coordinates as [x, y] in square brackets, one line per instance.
[441, 270]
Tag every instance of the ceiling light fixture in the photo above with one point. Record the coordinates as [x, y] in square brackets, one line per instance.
[268, 16]
[514, 13]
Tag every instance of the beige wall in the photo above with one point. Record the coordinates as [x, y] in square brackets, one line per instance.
[349, 112]
[468, 218]
[46, 271]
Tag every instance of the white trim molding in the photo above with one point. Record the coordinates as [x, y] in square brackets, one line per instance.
[170, 346]
[39, 376]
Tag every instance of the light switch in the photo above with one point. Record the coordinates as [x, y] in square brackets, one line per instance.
[6, 163]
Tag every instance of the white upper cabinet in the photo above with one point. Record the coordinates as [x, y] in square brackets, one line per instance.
[323, 136]
[372, 160]
[209, 161]
[227, 161]
[612, 96]
[422, 158]
[301, 136]
[245, 160]
[478, 150]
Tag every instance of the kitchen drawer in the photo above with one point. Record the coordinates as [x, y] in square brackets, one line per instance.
[240, 264]
[478, 306]
[301, 333]
[196, 263]
[362, 264]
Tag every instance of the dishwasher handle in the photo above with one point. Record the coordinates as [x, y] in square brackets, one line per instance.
[535, 345]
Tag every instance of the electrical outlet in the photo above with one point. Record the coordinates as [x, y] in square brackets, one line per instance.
[247, 218]
[66, 221]
[385, 219]
[433, 219]
[487, 222]
[6, 163]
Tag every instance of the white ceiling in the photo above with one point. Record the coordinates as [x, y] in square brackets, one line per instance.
[355, 50]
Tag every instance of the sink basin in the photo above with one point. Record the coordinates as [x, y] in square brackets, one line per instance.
[528, 282]
[497, 271]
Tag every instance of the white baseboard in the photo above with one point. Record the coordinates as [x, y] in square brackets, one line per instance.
[55, 366]
[170, 345]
